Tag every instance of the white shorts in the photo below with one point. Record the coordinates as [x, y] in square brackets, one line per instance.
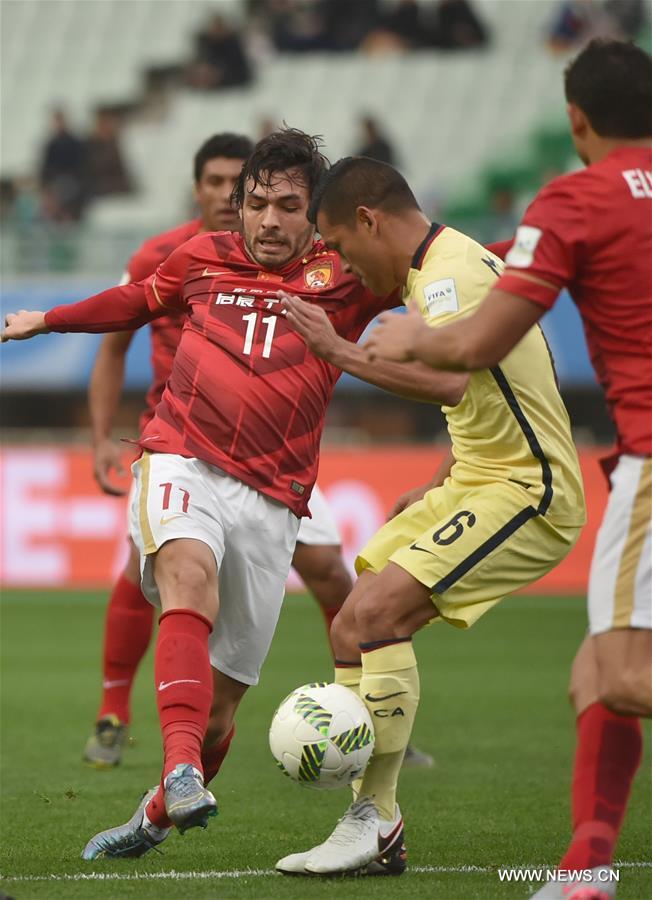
[321, 529]
[620, 583]
[252, 538]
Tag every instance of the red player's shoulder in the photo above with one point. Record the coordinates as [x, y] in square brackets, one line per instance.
[156, 249]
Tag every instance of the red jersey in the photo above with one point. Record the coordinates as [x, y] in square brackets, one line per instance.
[591, 232]
[245, 392]
[166, 331]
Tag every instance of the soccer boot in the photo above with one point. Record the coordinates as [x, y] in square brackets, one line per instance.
[602, 886]
[104, 747]
[417, 759]
[135, 838]
[360, 845]
[187, 802]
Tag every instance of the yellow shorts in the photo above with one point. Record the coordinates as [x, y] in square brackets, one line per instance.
[470, 546]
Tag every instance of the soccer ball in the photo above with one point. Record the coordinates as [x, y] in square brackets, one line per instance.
[322, 736]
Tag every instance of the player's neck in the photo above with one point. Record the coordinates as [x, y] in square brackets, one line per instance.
[602, 147]
[409, 231]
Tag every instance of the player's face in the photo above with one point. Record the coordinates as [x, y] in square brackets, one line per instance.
[213, 194]
[362, 251]
[275, 225]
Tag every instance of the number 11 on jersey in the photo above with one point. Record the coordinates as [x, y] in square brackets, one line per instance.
[270, 322]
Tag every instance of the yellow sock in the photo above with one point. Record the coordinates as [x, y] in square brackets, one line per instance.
[390, 688]
[350, 677]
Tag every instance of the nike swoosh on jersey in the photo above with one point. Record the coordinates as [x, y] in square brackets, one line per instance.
[165, 520]
[385, 697]
[208, 274]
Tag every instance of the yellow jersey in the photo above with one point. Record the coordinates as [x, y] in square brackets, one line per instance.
[511, 423]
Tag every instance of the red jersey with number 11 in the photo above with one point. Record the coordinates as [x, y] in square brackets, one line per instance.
[245, 393]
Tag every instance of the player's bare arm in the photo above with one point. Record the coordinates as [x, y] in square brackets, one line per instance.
[415, 494]
[415, 382]
[104, 391]
[478, 342]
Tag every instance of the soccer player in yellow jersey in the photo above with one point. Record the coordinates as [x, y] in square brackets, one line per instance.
[510, 510]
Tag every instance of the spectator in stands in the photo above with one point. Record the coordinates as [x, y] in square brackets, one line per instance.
[578, 21]
[374, 142]
[60, 171]
[105, 171]
[220, 60]
[456, 26]
[628, 16]
[302, 26]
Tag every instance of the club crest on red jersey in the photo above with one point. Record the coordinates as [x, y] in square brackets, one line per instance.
[318, 275]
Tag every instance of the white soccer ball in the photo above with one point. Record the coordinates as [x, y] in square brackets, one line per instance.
[322, 736]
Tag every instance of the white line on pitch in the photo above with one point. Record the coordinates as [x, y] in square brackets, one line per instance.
[257, 873]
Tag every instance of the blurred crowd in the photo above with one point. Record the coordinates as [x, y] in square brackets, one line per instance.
[73, 171]
[578, 21]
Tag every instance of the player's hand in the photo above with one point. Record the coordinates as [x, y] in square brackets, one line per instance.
[107, 459]
[407, 499]
[23, 325]
[395, 335]
[312, 323]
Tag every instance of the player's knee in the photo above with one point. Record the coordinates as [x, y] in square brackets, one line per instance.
[343, 633]
[376, 617]
[626, 694]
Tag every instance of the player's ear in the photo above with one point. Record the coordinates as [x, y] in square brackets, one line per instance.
[578, 121]
[366, 218]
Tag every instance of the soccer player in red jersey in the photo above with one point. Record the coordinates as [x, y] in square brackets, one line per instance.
[129, 615]
[590, 231]
[129, 618]
[230, 457]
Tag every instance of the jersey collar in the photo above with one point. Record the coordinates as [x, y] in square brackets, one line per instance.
[424, 246]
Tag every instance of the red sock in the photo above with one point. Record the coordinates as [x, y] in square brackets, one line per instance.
[609, 749]
[184, 685]
[127, 632]
[211, 760]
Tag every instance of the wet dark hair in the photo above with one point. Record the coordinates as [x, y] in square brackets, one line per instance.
[359, 181]
[280, 151]
[611, 82]
[226, 144]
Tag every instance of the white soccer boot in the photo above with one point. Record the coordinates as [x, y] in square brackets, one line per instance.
[361, 844]
[602, 886]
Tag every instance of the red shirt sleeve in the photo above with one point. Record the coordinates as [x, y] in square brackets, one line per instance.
[121, 308]
[549, 245]
[164, 289]
[500, 248]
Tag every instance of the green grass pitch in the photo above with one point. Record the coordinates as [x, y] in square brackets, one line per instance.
[493, 713]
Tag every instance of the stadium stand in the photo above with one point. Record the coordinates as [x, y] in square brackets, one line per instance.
[440, 110]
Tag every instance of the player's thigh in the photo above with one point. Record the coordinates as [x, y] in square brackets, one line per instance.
[490, 542]
[257, 557]
[624, 663]
[403, 529]
[180, 500]
[323, 571]
[395, 606]
[620, 582]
